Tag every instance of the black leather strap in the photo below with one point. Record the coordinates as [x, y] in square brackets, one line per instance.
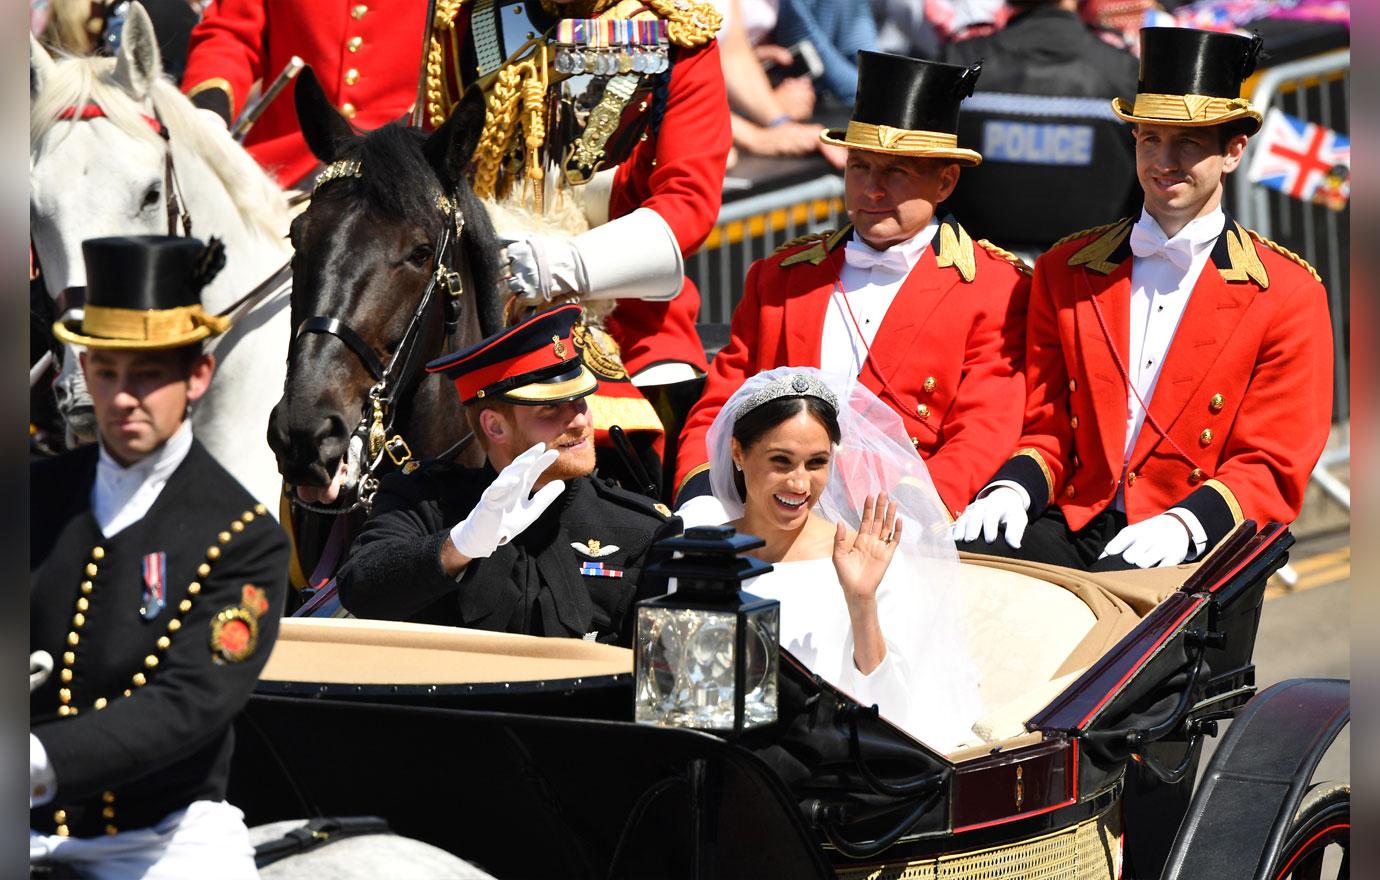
[342, 331]
[316, 833]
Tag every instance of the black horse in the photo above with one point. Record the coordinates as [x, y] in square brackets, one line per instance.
[395, 262]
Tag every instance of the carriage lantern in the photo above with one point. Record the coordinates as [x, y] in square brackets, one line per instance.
[706, 654]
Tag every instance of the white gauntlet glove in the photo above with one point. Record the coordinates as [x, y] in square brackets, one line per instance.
[633, 257]
[1159, 540]
[1002, 504]
[505, 509]
[702, 510]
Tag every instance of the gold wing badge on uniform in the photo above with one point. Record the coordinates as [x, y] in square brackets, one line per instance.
[235, 630]
[595, 549]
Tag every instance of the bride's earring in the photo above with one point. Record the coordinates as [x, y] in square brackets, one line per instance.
[737, 467]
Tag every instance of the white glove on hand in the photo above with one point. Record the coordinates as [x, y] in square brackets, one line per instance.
[1157, 541]
[702, 510]
[540, 268]
[505, 508]
[986, 515]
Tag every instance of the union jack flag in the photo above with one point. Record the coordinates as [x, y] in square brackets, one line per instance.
[1301, 159]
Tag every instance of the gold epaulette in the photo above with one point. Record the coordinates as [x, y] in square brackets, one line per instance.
[956, 249]
[1094, 254]
[1082, 232]
[803, 239]
[1002, 254]
[1281, 249]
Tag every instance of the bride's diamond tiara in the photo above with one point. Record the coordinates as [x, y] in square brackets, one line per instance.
[793, 385]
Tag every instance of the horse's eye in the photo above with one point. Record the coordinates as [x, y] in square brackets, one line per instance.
[151, 196]
[420, 255]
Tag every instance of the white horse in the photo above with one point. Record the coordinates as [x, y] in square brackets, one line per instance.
[100, 172]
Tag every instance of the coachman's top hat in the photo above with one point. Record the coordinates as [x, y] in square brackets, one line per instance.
[534, 363]
[143, 292]
[908, 107]
[1192, 77]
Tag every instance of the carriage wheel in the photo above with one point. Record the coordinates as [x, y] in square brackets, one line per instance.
[1320, 837]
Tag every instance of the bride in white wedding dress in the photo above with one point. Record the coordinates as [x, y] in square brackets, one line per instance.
[821, 469]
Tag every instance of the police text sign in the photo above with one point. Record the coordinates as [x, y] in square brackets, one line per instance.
[1035, 143]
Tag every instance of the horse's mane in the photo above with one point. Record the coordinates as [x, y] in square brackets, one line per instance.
[77, 81]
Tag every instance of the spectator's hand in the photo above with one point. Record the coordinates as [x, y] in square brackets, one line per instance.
[786, 139]
[986, 515]
[837, 156]
[770, 53]
[796, 96]
[1151, 543]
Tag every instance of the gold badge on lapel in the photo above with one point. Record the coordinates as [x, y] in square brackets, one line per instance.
[235, 630]
[594, 548]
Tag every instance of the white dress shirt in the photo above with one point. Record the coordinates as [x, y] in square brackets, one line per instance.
[870, 280]
[122, 495]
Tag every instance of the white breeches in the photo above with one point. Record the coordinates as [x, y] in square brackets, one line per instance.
[208, 840]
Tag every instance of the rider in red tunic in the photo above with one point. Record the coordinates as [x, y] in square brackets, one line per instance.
[366, 56]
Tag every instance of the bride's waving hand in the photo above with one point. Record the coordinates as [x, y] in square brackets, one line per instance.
[861, 562]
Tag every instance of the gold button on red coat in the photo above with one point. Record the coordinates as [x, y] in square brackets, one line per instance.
[929, 384]
[1073, 422]
[1131, 478]
[354, 43]
[357, 12]
[348, 109]
[1073, 384]
[923, 411]
[1195, 476]
[1205, 438]
[1217, 402]
[351, 76]
[1070, 491]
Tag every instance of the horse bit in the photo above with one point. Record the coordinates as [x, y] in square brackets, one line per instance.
[377, 416]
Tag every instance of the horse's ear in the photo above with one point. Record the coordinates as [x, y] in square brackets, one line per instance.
[40, 67]
[139, 63]
[322, 125]
[449, 149]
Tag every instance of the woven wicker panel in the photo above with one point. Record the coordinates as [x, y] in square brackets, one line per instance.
[1089, 851]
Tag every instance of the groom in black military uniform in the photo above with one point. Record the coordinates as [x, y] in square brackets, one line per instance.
[155, 587]
[532, 542]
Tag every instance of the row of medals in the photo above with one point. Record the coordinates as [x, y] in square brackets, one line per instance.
[606, 62]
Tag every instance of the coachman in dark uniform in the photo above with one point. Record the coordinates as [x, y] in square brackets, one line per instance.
[156, 584]
[533, 542]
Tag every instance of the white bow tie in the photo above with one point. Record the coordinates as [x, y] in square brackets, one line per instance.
[1146, 243]
[860, 256]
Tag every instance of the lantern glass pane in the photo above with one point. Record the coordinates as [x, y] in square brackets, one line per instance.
[685, 667]
[759, 672]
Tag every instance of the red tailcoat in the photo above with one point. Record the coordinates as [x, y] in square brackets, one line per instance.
[366, 53]
[1245, 394]
[947, 356]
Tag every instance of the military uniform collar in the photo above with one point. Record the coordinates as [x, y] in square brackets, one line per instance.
[1234, 254]
[952, 246]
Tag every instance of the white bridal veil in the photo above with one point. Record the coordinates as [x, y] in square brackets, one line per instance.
[874, 454]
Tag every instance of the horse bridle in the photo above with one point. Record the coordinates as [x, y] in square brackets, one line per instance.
[172, 190]
[395, 376]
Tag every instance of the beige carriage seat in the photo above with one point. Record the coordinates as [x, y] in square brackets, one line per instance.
[1035, 628]
[353, 651]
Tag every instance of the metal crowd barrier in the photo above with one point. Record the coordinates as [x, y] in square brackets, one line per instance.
[1316, 89]
[752, 228]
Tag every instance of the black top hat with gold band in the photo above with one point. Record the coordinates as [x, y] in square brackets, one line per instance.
[908, 107]
[1192, 77]
[144, 292]
[532, 363]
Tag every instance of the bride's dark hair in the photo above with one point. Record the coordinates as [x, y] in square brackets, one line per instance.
[753, 424]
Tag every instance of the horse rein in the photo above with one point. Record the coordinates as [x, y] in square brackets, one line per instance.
[172, 190]
[391, 378]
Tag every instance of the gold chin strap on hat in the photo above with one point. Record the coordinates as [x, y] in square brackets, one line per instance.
[155, 325]
[865, 134]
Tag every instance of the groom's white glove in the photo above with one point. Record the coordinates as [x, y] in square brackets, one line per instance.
[633, 257]
[1159, 540]
[505, 508]
[987, 513]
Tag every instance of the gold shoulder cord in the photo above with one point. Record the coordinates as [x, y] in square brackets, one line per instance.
[1082, 232]
[803, 239]
[1284, 251]
[1003, 254]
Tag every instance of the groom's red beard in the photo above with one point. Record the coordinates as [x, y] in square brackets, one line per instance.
[576, 457]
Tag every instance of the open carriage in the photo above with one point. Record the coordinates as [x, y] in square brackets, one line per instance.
[520, 755]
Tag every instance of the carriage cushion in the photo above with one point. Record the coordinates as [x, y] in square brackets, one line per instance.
[350, 651]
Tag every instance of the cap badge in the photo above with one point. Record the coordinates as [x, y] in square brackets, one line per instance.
[594, 548]
[558, 347]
